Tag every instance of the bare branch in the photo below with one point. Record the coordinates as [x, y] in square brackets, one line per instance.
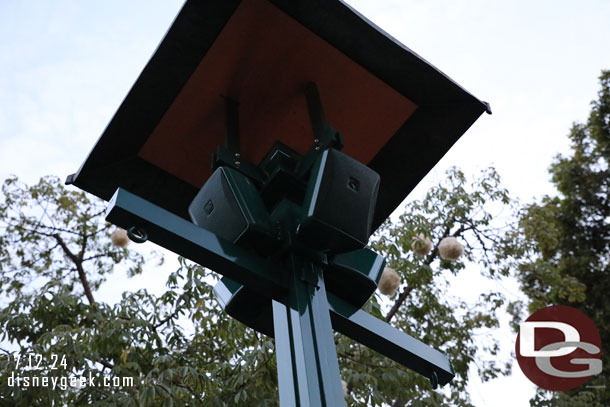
[403, 296]
[399, 301]
[79, 268]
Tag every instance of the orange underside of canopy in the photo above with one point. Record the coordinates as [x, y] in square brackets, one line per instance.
[262, 59]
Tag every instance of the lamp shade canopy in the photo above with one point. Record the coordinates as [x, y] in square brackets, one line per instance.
[397, 113]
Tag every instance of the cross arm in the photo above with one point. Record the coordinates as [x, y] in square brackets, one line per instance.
[194, 243]
[254, 310]
[265, 278]
[389, 341]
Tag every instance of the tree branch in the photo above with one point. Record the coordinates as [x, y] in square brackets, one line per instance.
[165, 320]
[429, 259]
[83, 248]
[403, 296]
[107, 365]
[79, 268]
[399, 301]
[374, 366]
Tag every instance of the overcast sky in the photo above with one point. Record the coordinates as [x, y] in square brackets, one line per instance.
[65, 66]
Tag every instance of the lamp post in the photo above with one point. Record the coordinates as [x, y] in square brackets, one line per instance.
[287, 207]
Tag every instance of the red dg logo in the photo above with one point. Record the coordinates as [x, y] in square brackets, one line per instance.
[559, 348]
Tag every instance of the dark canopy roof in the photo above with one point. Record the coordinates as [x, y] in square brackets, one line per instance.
[397, 113]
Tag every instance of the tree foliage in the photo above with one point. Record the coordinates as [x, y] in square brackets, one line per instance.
[561, 248]
[53, 236]
[422, 307]
[182, 350]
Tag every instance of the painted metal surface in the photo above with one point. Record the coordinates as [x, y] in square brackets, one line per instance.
[245, 65]
[173, 117]
[389, 341]
[300, 315]
[248, 307]
[308, 370]
[197, 244]
[270, 280]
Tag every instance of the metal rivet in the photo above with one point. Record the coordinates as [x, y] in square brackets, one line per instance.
[317, 148]
[316, 141]
[237, 163]
[237, 155]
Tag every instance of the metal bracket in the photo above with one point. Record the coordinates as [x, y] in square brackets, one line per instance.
[225, 157]
[232, 125]
[324, 135]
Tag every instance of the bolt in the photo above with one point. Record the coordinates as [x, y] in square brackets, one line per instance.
[317, 148]
[237, 155]
[316, 141]
[237, 163]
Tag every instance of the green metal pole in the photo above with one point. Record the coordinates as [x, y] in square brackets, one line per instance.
[308, 370]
